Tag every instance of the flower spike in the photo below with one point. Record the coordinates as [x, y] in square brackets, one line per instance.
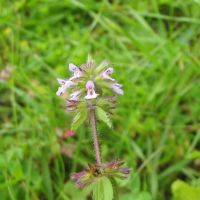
[85, 103]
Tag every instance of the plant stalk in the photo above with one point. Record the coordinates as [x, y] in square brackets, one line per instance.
[95, 135]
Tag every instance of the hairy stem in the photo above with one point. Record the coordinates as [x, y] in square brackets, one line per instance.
[95, 135]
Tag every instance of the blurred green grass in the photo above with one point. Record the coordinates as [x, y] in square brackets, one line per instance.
[154, 47]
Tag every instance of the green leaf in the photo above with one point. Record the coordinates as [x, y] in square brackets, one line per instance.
[194, 154]
[127, 197]
[16, 170]
[182, 190]
[102, 115]
[102, 189]
[78, 119]
[89, 58]
[115, 188]
[142, 195]
[48, 189]
[101, 66]
[73, 192]
[136, 182]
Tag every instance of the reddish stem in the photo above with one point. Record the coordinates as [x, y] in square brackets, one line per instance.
[95, 135]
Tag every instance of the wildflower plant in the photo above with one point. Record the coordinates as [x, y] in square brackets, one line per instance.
[88, 97]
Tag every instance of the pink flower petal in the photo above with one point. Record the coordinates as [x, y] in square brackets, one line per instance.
[68, 133]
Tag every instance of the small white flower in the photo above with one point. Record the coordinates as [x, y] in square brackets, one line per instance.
[75, 95]
[106, 74]
[117, 88]
[91, 94]
[64, 84]
[77, 72]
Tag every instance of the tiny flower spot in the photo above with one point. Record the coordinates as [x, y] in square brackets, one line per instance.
[68, 133]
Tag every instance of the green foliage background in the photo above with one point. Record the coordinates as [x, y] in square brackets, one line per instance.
[154, 46]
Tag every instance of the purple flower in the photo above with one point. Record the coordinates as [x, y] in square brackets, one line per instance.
[116, 87]
[75, 95]
[64, 84]
[77, 72]
[106, 73]
[83, 178]
[86, 71]
[91, 94]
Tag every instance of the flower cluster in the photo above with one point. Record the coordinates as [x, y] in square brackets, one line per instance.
[88, 97]
[92, 172]
[86, 80]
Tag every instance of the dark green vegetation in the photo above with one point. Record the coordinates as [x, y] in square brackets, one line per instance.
[155, 49]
